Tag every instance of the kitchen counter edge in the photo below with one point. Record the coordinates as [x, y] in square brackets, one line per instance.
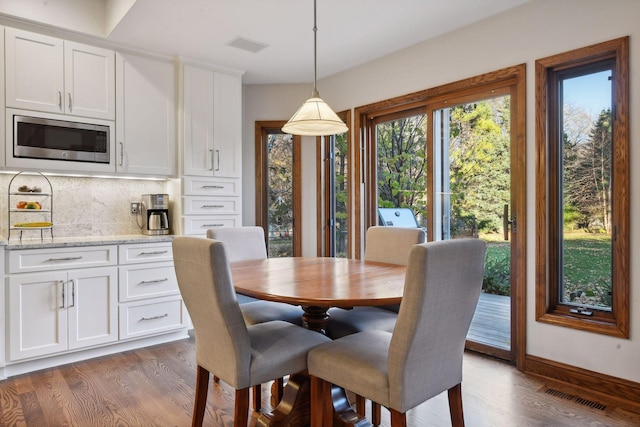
[63, 242]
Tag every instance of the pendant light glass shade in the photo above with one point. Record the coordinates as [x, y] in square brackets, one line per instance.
[315, 117]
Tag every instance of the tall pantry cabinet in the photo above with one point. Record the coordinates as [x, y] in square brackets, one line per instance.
[210, 183]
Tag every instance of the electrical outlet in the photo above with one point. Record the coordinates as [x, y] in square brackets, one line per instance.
[135, 208]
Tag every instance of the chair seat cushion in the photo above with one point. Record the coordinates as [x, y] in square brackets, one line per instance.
[279, 348]
[357, 362]
[265, 311]
[346, 322]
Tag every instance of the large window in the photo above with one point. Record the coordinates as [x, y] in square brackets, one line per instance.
[278, 188]
[583, 189]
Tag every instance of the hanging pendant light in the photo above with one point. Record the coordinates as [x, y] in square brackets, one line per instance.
[315, 117]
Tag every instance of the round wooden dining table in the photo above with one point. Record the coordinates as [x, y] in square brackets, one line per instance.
[317, 284]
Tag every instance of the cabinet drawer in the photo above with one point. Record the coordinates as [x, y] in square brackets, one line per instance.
[200, 205]
[147, 280]
[145, 252]
[200, 224]
[23, 261]
[210, 186]
[147, 318]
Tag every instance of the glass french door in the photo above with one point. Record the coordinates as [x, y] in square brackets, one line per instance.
[472, 198]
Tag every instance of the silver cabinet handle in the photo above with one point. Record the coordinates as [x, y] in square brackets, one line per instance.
[70, 258]
[70, 109]
[218, 163]
[211, 155]
[121, 153]
[212, 206]
[212, 225]
[217, 187]
[73, 293]
[147, 282]
[154, 317]
[154, 253]
[63, 296]
[59, 100]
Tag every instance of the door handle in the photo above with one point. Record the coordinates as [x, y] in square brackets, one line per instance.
[70, 108]
[506, 222]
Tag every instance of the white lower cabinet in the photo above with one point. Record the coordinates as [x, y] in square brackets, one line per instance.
[150, 301]
[57, 311]
[64, 300]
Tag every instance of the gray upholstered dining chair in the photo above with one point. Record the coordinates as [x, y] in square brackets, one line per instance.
[242, 356]
[245, 243]
[423, 356]
[390, 245]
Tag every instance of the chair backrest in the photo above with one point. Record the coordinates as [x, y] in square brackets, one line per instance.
[222, 339]
[391, 244]
[241, 243]
[441, 291]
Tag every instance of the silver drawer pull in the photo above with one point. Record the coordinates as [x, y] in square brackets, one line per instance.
[70, 258]
[212, 206]
[153, 253]
[218, 187]
[212, 225]
[146, 282]
[154, 317]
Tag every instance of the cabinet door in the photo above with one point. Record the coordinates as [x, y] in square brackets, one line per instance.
[37, 317]
[34, 71]
[89, 74]
[227, 121]
[198, 121]
[145, 118]
[92, 305]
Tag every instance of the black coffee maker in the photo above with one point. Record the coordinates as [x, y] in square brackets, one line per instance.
[155, 214]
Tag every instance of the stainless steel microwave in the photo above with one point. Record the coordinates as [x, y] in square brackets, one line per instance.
[60, 139]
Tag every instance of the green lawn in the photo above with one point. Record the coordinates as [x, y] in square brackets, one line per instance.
[587, 268]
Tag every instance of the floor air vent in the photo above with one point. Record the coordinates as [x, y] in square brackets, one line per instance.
[579, 400]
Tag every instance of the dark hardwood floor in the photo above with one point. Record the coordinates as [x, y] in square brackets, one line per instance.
[155, 387]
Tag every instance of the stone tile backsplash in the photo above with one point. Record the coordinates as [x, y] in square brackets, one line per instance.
[81, 206]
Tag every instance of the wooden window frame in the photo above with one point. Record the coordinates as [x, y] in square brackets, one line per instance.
[322, 191]
[262, 128]
[548, 307]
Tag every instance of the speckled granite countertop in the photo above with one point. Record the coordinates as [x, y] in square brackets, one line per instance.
[62, 242]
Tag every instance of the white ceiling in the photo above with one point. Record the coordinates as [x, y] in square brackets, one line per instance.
[350, 32]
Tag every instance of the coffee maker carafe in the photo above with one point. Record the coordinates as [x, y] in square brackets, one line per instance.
[155, 214]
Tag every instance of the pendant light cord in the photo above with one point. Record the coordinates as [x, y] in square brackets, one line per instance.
[315, 94]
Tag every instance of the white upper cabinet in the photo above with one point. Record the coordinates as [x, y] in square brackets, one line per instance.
[48, 74]
[212, 123]
[146, 118]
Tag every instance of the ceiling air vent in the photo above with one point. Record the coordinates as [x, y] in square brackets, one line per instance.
[246, 44]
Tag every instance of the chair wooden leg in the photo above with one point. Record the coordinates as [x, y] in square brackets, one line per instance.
[241, 412]
[317, 385]
[455, 406]
[376, 413]
[361, 409]
[398, 419]
[202, 388]
[257, 397]
[321, 403]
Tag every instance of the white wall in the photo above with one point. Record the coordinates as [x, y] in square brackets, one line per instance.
[522, 35]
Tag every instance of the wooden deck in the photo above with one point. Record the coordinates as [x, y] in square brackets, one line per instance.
[491, 324]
